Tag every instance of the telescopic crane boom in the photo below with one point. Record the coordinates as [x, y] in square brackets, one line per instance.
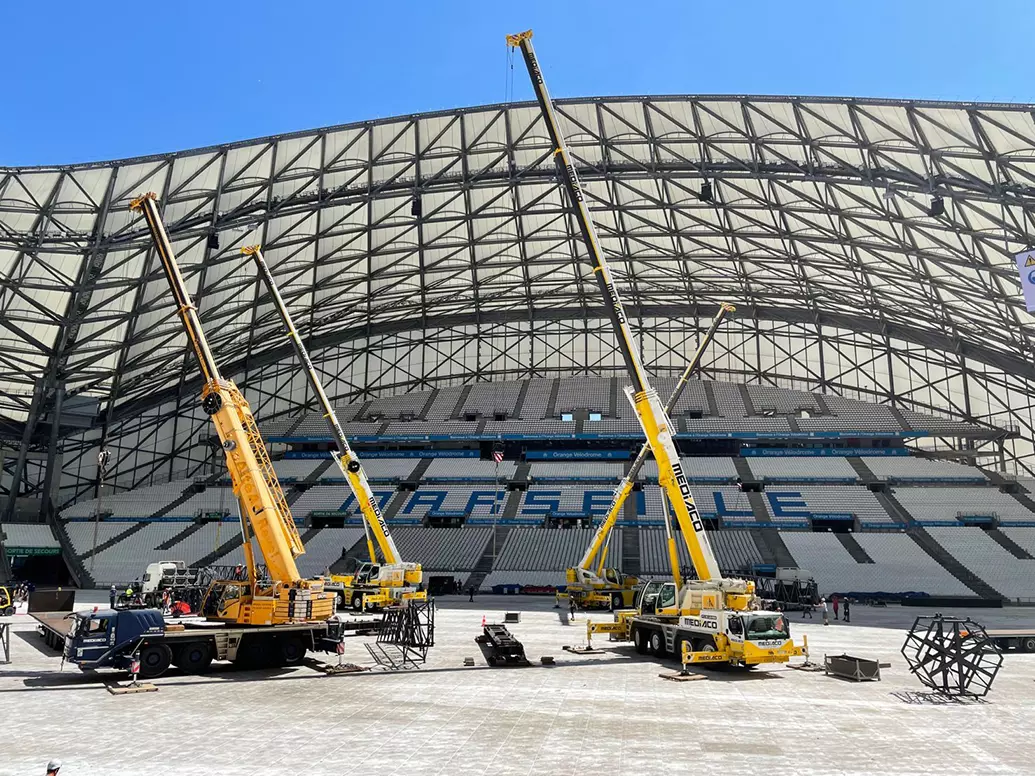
[346, 458]
[583, 573]
[264, 510]
[394, 573]
[652, 416]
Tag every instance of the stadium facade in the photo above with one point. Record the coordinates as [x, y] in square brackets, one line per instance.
[867, 244]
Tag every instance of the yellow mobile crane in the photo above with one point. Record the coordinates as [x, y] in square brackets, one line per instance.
[609, 587]
[264, 511]
[374, 585]
[711, 619]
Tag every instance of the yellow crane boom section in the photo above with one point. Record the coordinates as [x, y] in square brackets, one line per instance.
[254, 481]
[657, 426]
[345, 456]
[625, 487]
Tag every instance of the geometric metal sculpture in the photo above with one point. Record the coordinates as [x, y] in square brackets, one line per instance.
[951, 656]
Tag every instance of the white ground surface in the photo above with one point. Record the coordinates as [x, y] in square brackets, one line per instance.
[587, 715]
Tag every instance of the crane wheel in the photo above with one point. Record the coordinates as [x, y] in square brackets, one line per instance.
[154, 660]
[640, 641]
[292, 651]
[657, 643]
[357, 602]
[616, 601]
[1028, 645]
[194, 658]
[340, 598]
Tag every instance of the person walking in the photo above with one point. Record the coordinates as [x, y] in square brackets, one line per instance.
[848, 609]
[113, 594]
[471, 591]
[826, 610]
[835, 601]
[571, 606]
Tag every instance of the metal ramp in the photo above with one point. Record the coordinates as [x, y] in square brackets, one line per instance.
[407, 633]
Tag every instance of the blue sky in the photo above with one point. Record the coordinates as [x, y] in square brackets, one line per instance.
[94, 81]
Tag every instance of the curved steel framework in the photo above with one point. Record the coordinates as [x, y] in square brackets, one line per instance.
[437, 248]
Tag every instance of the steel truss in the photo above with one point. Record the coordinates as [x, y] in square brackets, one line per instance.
[817, 228]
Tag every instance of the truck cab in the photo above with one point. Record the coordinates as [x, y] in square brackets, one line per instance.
[108, 638]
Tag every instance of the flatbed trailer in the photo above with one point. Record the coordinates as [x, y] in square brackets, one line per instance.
[1013, 639]
[112, 638]
[53, 627]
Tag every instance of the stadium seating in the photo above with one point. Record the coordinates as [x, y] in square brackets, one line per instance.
[792, 504]
[975, 549]
[934, 505]
[802, 469]
[489, 398]
[292, 469]
[468, 469]
[588, 393]
[476, 500]
[441, 407]
[899, 566]
[735, 551]
[1023, 537]
[548, 549]
[697, 469]
[443, 549]
[397, 406]
[29, 535]
[596, 471]
[907, 469]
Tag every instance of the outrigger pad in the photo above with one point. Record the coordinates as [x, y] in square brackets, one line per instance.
[577, 650]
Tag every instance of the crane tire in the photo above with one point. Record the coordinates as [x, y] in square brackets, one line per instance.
[616, 601]
[640, 640]
[154, 660]
[1028, 645]
[357, 602]
[657, 643]
[291, 650]
[194, 658]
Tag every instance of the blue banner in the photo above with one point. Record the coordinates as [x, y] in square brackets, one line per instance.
[389, 454]
[780, 452]
[577, 455]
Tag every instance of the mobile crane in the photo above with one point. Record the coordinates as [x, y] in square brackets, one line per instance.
[609, 587]
[711, 619]
[374, 585]
[253, 621]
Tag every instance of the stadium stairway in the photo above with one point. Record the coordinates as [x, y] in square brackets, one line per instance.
[758, 507]
[764, 550]
[781, 555]
[895, 510]
[743, 469]
[114, 540]
[72, 561]
[520, 401]
[292, 495]
[997, 479]
[228, 546]
[821, 402]
[749, 406]
[898, 416]
[179, 537]
[309, 535]
[396, 504]
[484, 564]
[855, 549]
[188, 493]
[860, 467]
[356, 553]
[927, 543]
[792, 423]
[432, 395]
[1009, 544]
[709, 394]
[510, 509]
[423, 464]
[551, 404]
[631, 551]
[460, 401]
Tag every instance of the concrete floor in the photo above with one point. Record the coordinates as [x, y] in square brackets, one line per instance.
[586, 715]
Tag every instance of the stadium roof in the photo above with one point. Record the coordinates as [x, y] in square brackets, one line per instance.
[819, 215]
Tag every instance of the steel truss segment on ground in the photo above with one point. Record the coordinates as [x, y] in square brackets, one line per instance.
[817, 227]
